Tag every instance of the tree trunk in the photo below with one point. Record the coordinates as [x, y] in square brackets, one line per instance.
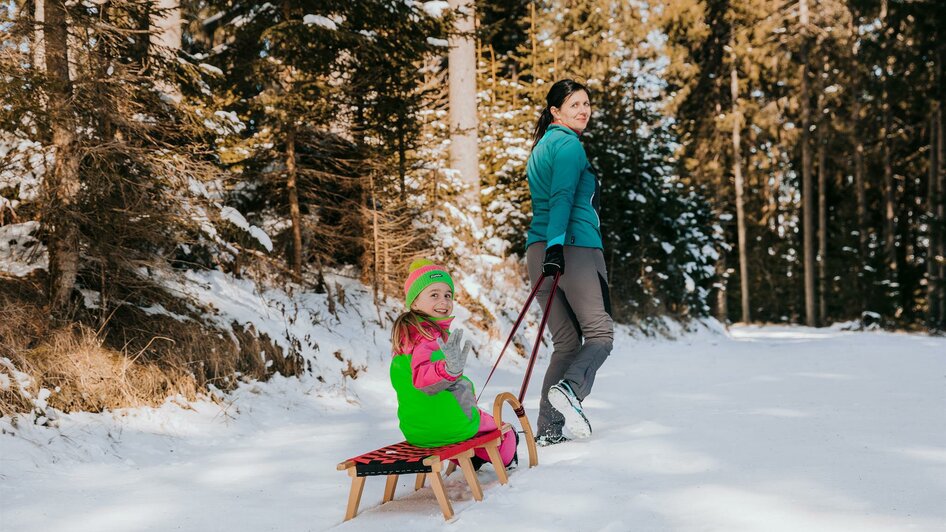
[932, 283]
[533, 41]
[295, 214]
[941, 204]
[374, 233]
[740, 210]
[939, 299]
[890, 220]
[62, 182]
[464, 154]
[722, 304]
[860, 192]
[39, 41]
[807, 192]
[167, 28]
[402, 160]
[860, 189]
[890, 216]
[822, 225]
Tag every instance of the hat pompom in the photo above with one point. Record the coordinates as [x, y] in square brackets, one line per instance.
[419, 263]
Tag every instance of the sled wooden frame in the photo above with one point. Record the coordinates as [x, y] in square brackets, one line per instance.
[404, 458]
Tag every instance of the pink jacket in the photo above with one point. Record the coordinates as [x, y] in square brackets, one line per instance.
[427, 372]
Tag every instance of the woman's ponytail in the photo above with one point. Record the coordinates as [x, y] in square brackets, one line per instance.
[544, 120]
[557, 95]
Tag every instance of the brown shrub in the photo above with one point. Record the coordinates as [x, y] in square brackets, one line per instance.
[126, 357]
[134, 359]
[85, 375]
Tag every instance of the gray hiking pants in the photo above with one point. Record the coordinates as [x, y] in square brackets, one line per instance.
[580, 323]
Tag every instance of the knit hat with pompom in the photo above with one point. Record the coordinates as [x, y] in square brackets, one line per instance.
[424, 273]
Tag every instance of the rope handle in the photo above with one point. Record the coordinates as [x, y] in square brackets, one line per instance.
[512, 333]
[538, 338]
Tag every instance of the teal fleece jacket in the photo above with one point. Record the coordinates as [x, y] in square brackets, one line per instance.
[565, 192]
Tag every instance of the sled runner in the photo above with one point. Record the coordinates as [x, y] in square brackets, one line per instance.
[428, 462]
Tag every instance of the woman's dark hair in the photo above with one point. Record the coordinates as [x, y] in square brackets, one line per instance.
[557, 95]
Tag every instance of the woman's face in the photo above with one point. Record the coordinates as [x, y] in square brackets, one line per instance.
[436, 300]
[574, 112]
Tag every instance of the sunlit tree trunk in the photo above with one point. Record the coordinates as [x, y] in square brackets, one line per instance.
[61, 186]
[464, 154]
[168, 31]
[807, 192]
[740, 210]
[295, 214]
[822, 225]
[39, 41]
[890, 215]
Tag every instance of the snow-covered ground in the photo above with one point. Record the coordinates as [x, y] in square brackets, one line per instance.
[770, 428]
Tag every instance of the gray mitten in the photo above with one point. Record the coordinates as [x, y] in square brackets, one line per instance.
[454, 355]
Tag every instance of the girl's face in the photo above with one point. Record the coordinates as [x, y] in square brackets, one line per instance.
[436, 300]
[575, 111]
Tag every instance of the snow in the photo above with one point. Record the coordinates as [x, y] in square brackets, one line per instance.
[236, 218]
[20, 252]
[443, 43]
[228, 122]
[435, 9]
[210, 69]
[769, 428]
[213, 18]
[320, 20]
[26, 165]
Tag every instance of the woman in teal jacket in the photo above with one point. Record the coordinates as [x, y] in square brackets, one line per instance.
[566, 229]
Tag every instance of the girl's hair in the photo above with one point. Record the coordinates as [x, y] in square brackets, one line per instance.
[409, 319]
[557, 95]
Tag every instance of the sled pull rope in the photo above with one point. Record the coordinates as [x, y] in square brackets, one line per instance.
[538, 339]
[512, 333]
[515, 327]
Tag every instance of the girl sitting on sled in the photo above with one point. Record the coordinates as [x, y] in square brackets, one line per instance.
[436, 401]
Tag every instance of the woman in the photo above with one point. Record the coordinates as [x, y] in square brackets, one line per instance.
[566, 229]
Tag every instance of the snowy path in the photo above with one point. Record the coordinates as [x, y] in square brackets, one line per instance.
[773, 429]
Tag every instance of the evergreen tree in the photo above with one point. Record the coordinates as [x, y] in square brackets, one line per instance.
[121, 126]
[656, 230]
[332, 107]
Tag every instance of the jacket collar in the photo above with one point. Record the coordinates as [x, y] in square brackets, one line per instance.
[564, 128]
[442, 323]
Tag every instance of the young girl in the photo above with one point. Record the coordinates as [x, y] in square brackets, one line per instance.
[436, 402]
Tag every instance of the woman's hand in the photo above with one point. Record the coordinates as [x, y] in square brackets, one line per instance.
[554, 260]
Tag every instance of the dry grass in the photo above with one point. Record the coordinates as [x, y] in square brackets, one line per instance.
[20, 328]
[136, 360]
[87, 376]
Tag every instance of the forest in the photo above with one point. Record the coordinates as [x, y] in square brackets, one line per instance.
[761, 161]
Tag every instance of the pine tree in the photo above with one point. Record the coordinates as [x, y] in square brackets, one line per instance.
[656, 229]
[333, 107]
[124, 125]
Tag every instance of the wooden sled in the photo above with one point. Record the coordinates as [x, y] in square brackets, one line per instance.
[428, 462]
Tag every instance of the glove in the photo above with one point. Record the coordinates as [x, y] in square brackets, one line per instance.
[454, 355]
[554, 261]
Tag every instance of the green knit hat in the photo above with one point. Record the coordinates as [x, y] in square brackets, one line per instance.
[423, 273]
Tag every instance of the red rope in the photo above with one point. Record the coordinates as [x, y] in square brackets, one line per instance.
[538, 340]
[512, 333]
